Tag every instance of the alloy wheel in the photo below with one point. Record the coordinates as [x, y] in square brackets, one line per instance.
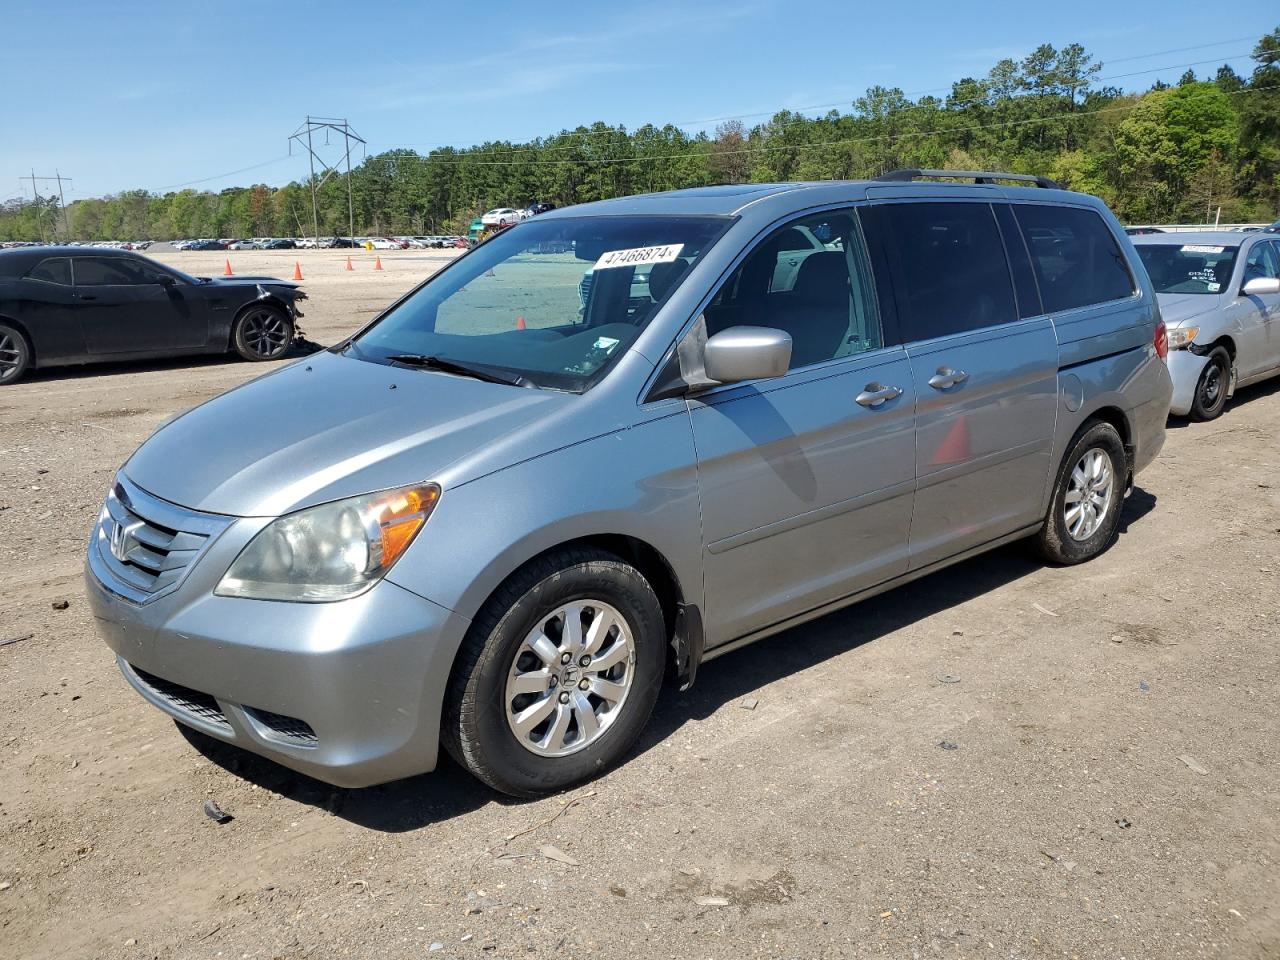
[10, 356]
[265, 333]
[1089, 494]
[570, 678]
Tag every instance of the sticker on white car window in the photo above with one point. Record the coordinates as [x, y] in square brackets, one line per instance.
[639, 256]
[1201, 248]
[1213, 287]
[606, 343]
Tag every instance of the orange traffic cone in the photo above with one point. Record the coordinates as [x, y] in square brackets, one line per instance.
[520, 323]
[377, 262]
[297, 270]
[227, 272]
[349, 267]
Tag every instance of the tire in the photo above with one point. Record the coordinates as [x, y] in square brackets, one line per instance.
[1211, 389]
[1085, 534]
[262, 332]
[555, 748]
[15, 354]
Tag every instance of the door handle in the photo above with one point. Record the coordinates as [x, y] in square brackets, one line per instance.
[874, 394]
[946, 378]
[83, 296]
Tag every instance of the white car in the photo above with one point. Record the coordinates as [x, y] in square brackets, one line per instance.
[1219, 293]
[384, 243]
[499, 216]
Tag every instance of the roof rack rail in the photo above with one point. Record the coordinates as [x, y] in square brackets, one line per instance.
[977, 176]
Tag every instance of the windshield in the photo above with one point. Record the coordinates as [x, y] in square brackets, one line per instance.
[554, 302]
[1190, 268]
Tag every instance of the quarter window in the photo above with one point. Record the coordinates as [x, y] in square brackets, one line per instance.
[812, 279]
[105, 271]
[951, 274]
[54, 270]
[1077, 261]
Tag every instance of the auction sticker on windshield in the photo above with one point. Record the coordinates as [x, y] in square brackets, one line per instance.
[639, 256]
[1201, 248]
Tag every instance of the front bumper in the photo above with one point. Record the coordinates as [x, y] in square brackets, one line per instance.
[1184, 368]
[348, 692]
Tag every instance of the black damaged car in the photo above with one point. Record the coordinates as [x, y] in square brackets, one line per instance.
[76, 305]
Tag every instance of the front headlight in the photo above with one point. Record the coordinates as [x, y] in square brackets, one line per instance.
[330, 552]
[1181, 338]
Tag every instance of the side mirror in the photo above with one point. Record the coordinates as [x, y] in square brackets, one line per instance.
[747, 353]
[1259, 286]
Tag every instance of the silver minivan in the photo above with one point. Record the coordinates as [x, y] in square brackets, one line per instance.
[618, 440]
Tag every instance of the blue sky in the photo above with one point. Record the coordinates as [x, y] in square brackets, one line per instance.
[161, 95]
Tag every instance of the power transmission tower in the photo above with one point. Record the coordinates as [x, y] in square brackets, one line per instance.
[304, 135]
[62, 202]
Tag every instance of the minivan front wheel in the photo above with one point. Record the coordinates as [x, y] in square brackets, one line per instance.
[1085, 508]
[558, 674]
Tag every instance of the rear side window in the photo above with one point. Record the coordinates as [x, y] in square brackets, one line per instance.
[950, 270]
[1076, 259]
[53, 270]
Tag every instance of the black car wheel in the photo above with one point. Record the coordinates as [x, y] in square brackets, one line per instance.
[262, 332]
[15, 354]
[1211, 389]
[557, 675]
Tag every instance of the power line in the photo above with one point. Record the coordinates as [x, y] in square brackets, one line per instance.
[219, 176]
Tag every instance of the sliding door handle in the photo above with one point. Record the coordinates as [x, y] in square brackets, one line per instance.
[946, 378]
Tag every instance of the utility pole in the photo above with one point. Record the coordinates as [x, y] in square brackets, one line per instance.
[62, 203]
[308, 128]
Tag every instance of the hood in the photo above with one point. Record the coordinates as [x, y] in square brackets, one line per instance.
[1176, 308]
[239, 281]
[329, 427]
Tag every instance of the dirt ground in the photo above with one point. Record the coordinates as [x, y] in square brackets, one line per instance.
[1002, 760]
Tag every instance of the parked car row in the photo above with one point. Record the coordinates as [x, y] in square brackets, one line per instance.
[308, 243]
[505, 216]
[97, 244]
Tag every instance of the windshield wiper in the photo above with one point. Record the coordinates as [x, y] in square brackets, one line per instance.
[428, 362]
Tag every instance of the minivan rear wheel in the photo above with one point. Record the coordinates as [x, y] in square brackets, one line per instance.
[1085, 508]
[558, 674]
[1211, 389]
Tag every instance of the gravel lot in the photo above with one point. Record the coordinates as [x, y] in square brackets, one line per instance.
[1001, 760]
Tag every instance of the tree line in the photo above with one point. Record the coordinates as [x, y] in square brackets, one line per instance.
[1187, 152]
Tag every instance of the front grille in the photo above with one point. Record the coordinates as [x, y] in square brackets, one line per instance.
[184, 699]
[143, 546]
[276, 726]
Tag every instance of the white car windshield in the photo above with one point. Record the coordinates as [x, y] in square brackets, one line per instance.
[547, 303]
[1189, 267]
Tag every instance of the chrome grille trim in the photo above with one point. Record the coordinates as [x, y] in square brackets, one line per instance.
[143, 546]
